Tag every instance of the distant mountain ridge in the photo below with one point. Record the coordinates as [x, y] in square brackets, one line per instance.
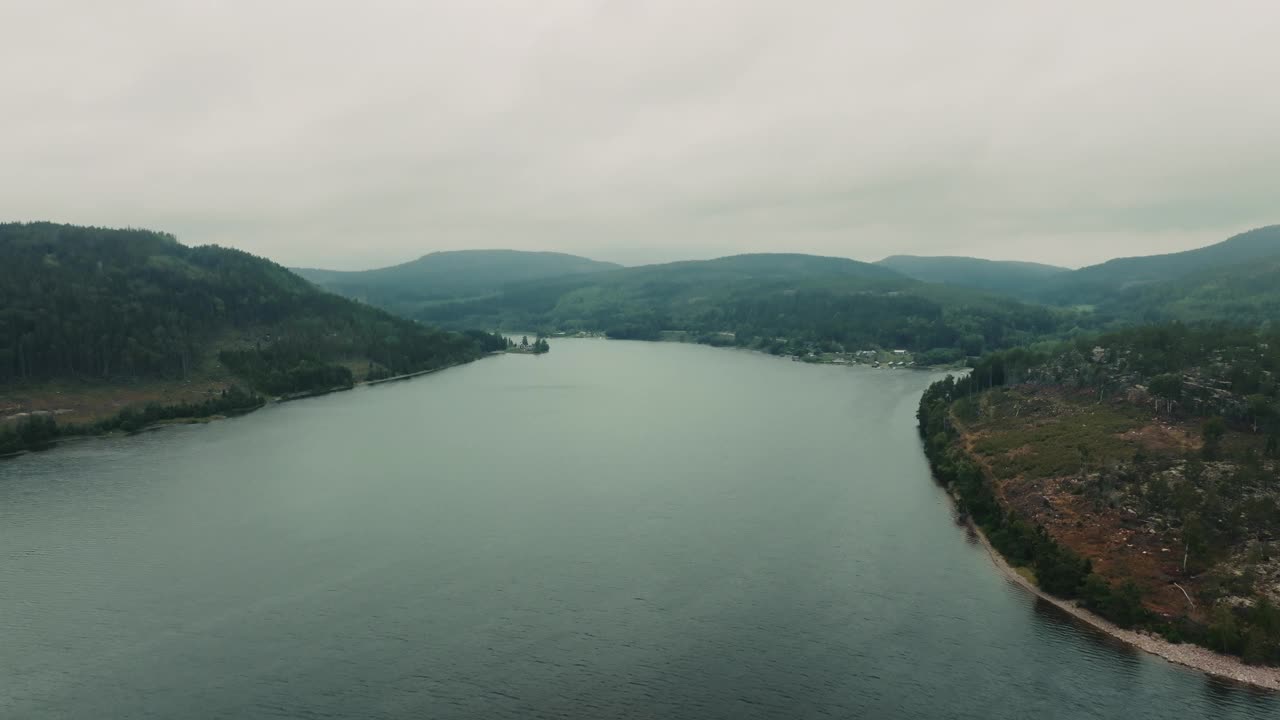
[1020, 279]
[1247, 294]
[1096, 283]
[1257, 243]
[766, 301]
[1125, 287]
[449, 275]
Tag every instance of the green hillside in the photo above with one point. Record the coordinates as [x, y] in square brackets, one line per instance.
[1247, 294]
[1099, 283]
[800, 301]
[123, 308]
[449, 275]
[1018, 279]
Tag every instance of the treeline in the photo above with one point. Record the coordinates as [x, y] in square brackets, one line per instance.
[851, 313]
[107, 304]
[487, 341]
[1197, 370]
[280, 372]
[538, 347]
[1246, 295]
[42, 430]
[1204, 371]
[1246, 357]
[894, 319]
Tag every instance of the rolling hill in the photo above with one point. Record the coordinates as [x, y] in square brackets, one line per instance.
[449, 276]
[1098, 283]
[760, 301]
[1245, 294]
[1018, 279]
[133, 316]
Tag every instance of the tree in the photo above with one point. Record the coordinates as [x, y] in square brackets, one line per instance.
[1255, 650]
[1127, 605]
[1266, 616]
[1224, 632]
[1212, 431]
[1194, 538]
[1167, 386]
[1261, 411]
[524, 341]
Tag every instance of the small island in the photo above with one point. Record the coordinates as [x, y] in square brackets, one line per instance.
[538, 347]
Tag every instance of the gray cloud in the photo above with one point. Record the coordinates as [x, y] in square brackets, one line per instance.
[358, 134]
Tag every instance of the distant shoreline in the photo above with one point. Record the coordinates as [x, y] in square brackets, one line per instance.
[1188, 655]
[407, 376]
[203, 420]
[681, 337]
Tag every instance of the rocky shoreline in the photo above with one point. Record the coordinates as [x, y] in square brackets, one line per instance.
[1192, 656]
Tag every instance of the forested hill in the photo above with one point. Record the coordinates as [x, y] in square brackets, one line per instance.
[1138, 472]
[1247, 294]
[782, 303]
[1018, 279]
[1192, 285]
[123, 305]
[1106, 281]
[449, 275]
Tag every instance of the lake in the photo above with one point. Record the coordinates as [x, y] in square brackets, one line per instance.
[613, 530]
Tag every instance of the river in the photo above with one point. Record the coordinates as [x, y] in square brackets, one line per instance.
[613, 530]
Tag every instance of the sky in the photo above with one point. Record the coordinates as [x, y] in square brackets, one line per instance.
[352, 134]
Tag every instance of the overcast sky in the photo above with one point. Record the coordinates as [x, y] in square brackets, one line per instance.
[359, 134]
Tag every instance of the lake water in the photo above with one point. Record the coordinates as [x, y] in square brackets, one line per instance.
[614, 530]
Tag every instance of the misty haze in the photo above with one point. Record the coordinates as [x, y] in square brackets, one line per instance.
[639, 360]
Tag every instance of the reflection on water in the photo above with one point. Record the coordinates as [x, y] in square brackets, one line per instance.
[1060, 622]
[1225, 695]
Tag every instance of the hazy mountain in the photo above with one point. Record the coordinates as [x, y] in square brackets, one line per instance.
[1022, 279]
[1244, 294]
[758, 299]
[1096, 283]
[449, 275]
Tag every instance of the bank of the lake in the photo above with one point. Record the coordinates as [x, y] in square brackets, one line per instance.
[118, 427]
[613, 530]
[1226, 667]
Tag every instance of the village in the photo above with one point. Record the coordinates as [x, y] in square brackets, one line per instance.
[890, 359]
